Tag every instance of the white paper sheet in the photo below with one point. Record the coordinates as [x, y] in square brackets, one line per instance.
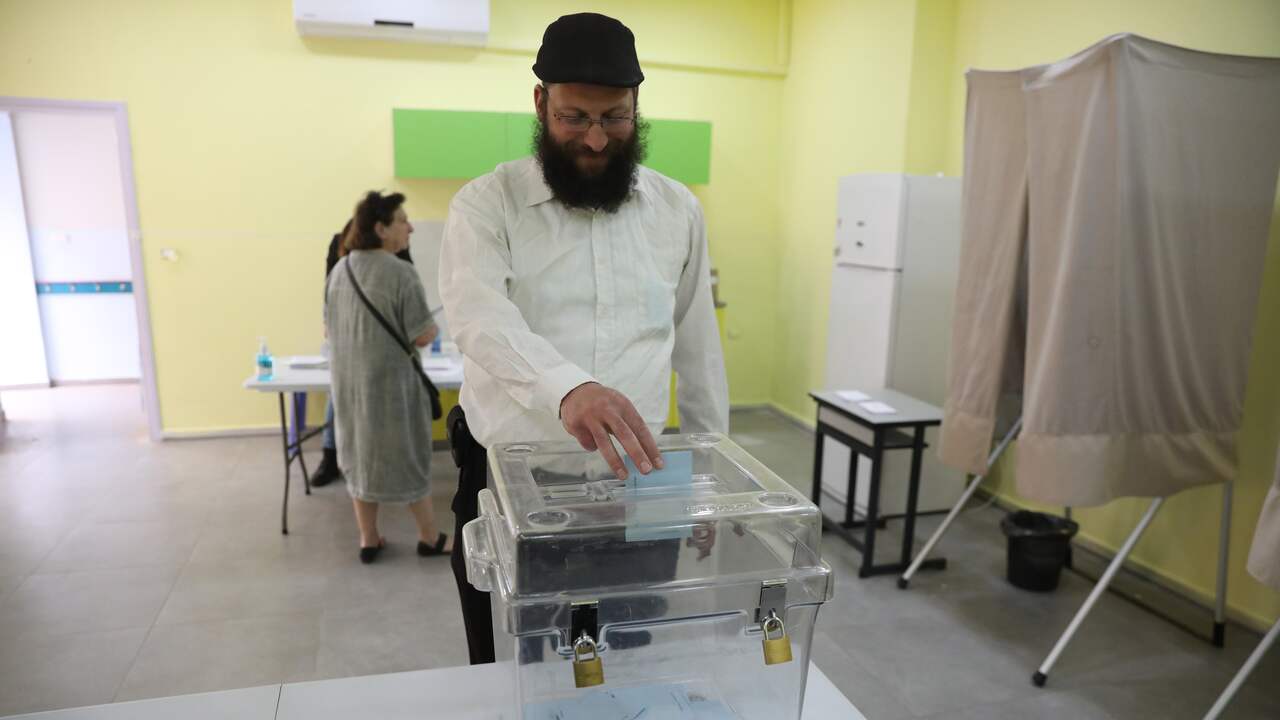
[308, 361]
[875, 407]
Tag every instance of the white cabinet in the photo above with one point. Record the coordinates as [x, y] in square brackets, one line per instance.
[869, 220]
[892, 287]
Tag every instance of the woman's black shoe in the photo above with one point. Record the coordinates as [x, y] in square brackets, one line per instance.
[369, 554]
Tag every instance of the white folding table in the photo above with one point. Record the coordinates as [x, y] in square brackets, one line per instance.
[444, 370]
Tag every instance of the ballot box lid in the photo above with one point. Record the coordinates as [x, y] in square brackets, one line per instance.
[562, 522]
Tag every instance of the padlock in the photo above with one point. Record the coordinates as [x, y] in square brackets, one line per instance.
[588, 673]
[776, 650]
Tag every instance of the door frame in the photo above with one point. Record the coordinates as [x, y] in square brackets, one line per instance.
[142, 308]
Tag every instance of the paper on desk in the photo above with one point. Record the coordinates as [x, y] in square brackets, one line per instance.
[309, 362]
[642, 520]
[852, 395]
[875, 407]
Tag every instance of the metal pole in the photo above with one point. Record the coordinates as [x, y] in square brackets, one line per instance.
[1224, 556]
[955, 509]
[1101, 587]
[1227, 695]
[300, 422]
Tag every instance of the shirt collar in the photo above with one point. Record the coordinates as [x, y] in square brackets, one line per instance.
[536, 189]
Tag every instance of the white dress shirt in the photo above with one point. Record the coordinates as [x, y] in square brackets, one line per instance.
[542, 298]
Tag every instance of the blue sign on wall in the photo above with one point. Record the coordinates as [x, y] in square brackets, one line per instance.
[83, 288]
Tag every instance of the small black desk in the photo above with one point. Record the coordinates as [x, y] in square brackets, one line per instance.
[840, 419]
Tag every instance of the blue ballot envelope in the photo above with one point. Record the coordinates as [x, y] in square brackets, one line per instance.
[645, 522]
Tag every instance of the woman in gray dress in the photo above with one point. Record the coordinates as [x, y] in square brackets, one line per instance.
[382, 412]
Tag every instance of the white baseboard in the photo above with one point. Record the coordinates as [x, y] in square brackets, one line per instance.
[224, 433]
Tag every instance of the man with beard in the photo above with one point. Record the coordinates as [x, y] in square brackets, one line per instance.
[574, 283]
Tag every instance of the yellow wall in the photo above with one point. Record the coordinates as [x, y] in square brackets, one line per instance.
[251, 145]
[932, 82]
[844, 110]
[1182, 543]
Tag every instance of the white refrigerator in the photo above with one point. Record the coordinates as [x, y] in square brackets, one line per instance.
[897, 246]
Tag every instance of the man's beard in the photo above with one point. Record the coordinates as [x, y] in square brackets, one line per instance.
[605, 190]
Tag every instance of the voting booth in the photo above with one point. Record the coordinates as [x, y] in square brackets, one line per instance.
[690, 592]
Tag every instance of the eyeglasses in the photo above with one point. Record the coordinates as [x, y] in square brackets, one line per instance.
[583, 123]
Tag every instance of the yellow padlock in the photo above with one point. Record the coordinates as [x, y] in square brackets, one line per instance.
[589, 673]
[776, 650]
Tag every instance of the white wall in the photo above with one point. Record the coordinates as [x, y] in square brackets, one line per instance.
[22, 358]
[75, 201]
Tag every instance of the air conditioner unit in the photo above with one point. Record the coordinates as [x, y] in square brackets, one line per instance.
[453, 22]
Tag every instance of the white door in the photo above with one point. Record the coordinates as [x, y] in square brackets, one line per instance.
[22, 361]
[75, 199]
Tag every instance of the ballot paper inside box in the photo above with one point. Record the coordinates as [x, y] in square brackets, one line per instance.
[689, 592]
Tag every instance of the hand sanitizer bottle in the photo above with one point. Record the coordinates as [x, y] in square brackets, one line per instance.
[264, 360]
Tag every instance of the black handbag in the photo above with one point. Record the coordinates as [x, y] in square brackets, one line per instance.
[437, 411]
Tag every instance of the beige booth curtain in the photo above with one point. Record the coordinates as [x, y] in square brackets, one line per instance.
[984, 373]
[1150, 177]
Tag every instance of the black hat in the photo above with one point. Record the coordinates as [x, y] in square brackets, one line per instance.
[588, 48]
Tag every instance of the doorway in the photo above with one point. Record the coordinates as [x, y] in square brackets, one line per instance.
[70, 252]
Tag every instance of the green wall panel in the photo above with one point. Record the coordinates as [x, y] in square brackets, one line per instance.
[519, 135]
[459, 144]
[447, 143]
[681, 149]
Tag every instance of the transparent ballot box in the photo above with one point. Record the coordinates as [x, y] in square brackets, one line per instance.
[691, 592]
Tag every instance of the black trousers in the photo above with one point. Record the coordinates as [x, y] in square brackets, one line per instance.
[472, 464]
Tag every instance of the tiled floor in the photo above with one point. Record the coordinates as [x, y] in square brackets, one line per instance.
[131, 570]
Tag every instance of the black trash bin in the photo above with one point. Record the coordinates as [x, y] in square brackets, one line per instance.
[1038, 547]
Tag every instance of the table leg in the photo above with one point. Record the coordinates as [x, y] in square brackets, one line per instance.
[913, 496]
[851, 489]
[300, 422]
[284, 440]
[873, 506]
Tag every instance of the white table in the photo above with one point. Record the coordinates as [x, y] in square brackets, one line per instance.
[478, 692]
[444, 370]
[873, 422]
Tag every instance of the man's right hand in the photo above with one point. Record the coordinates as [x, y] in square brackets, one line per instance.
[592, 412]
